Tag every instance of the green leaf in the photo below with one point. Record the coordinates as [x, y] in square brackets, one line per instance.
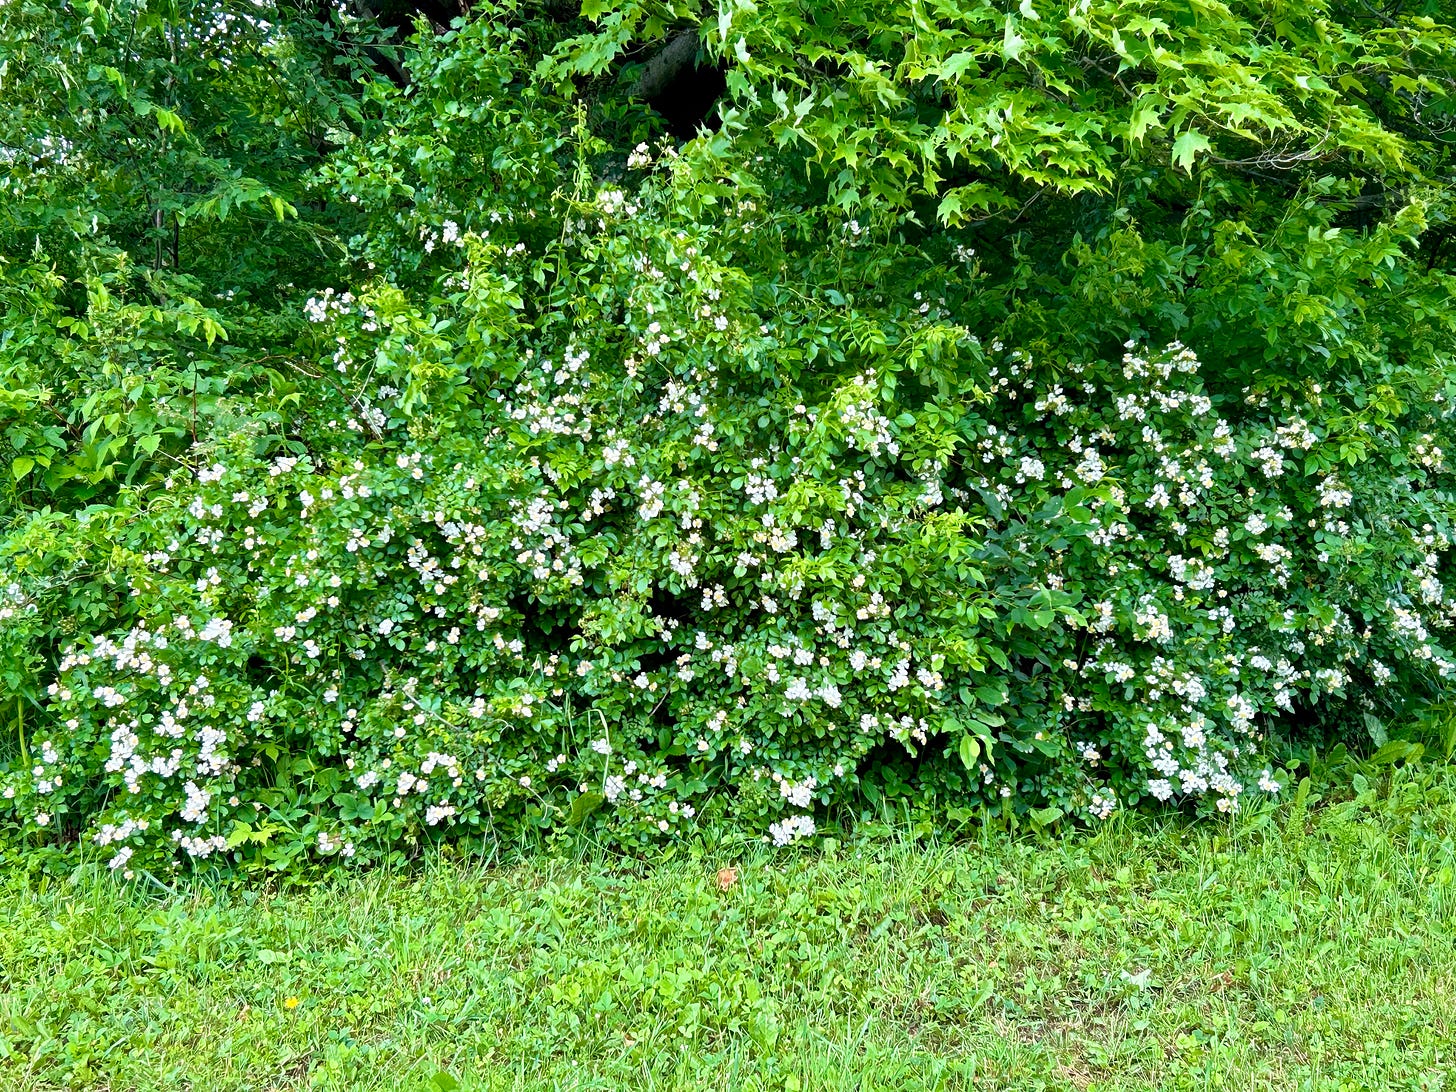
[583, 806]
[167, 121]
[1397, 750]
[1011, 42]
[955, 64]
[992, 693]
[1045, 817]
[1146, 114]
[1376, 727]
[1187, 146]
[970, 750]
[21, 466]
[443, 1082]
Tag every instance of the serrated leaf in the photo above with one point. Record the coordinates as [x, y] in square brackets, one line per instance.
[1187, 147]
[1012, 43]
[955, 64]
[21, 466]
[1146, 114]
[241, 833]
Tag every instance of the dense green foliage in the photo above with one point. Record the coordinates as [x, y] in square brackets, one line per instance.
[1032, 413]
[1317, 954]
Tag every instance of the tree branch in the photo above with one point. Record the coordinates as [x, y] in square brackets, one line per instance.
[383, 55]
[680, 52]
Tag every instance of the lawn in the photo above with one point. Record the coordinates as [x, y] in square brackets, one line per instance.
[1300, 949]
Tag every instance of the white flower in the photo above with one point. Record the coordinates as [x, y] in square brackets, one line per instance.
[119, 861]
[1272, 552]
[195, 810]
[791, 829]
[216, 629]
[1271, 462]
[900, 677]
[1091, 469]
[1333, 495]
[798, 794]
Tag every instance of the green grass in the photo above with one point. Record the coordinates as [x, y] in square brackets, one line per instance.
[1318, 951]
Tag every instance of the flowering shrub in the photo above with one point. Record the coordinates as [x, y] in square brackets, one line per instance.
[606, 493]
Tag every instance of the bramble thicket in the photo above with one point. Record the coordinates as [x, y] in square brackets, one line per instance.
[659, 415]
